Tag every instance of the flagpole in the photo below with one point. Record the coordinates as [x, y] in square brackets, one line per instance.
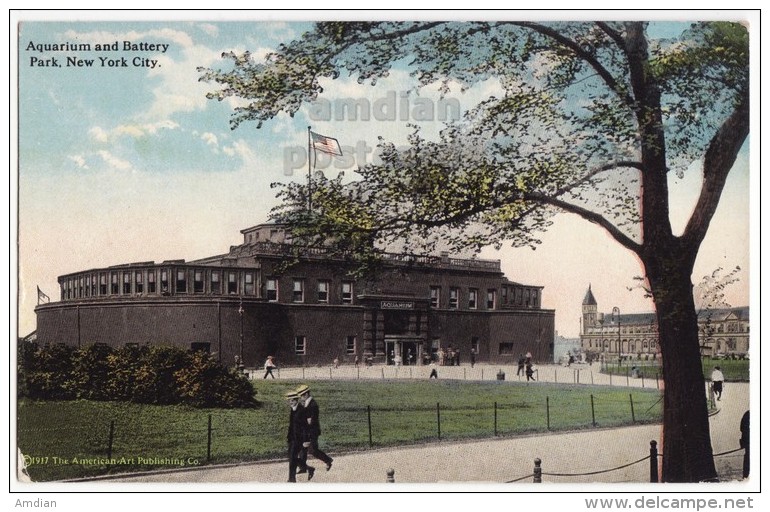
[309, 180]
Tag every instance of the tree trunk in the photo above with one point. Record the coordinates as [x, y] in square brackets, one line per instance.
[687, 452]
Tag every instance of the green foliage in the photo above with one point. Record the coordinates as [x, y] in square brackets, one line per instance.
[402, 412]
[150, 375]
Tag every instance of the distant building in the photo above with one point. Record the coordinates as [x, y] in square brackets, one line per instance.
[722, 332]
[241, 304]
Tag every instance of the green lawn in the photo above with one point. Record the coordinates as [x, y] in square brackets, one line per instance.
[734, 370]
[71, 439]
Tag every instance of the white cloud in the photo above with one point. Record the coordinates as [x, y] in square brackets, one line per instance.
[210, 29]
[210, 139]
[99, 134]
[79, 160]
[114, 162]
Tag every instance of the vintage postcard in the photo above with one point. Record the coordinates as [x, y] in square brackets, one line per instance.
[263, 253]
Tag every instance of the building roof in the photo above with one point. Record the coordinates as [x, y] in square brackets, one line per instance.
[589, 299]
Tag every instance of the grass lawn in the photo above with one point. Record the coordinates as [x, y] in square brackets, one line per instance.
[71, 439]
[735, 370]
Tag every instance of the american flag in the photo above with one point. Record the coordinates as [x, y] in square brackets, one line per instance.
[325, 144]
[42, 297]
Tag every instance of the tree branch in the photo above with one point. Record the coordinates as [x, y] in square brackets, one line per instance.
[584, 55]
[717, 163]
[588, 215]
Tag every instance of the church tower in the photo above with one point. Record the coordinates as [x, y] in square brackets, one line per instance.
[589, 311]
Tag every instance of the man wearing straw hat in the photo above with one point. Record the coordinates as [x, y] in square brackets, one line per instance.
[295, 437]
[312, 426]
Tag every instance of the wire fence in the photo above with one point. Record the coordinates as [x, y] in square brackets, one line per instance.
[127, 443]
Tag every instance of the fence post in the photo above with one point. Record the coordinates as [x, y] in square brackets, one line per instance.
[358, 372]
[482, 374]
[554, 375]
[330, 373]
[592, 377]
[547, 413]
[654, 461]
[369, 421]
[303, 372]
[208, 445]
[390, 476]
[610, 370]
[628, 383]
[111, 439]
[537, 473]
[495, 418]
[464, 376]
[438, 419]
[631, 399]
[642, 376]
[383, 373]
[593, 412]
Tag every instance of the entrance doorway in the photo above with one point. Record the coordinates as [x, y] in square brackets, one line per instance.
[409, 352]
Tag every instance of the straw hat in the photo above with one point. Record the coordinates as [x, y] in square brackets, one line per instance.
[304, 388]
[290, 395]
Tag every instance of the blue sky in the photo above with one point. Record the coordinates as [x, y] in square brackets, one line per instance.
[122, 164]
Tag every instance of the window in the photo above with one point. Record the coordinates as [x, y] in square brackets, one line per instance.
[164, 282]
[435, 296]
[272, 289]
[151, 282]
[198, 281]
[347, 292]
[232, 283]
[126, 282]
[505, 349]
[473, 298]
[88, 285]
[63, 287]
[491, 299]
[475, 344]
[93, 285]
[535, 302]
[454, 294]
[216, 282]
[323, 291]
[248, 285]
[80, 288]
[505, 294]
[350, 345]
[300, 345]
[102, 284]
[139, 282]
[114, 284]
[181, 281]
[298, 292]
[200, 347]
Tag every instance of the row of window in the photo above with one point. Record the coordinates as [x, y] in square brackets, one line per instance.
[632, 346]
[167, 281]
[300, 345]
[159, 281]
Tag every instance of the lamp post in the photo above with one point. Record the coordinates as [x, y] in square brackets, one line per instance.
[616, 311]
[240, 344]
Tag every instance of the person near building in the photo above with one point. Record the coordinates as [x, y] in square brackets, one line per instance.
[717, 382]
[294, 439]
[473, 357]
[520, 365]
[744, 443]
[530, 372]
[312, 430]
[433, 371]
[269, 365]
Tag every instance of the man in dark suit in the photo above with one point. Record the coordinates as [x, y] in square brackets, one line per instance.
[295, 438]
[312, 428]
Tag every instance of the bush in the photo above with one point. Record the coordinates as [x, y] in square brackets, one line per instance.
[149, 375]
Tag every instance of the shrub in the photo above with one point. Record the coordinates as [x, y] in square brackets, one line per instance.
[205, 383]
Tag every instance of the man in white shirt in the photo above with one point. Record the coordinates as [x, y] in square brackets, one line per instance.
[717, 379]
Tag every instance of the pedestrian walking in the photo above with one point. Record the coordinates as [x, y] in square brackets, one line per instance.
[473, 357]
[433, 371]
[269, 365]
[294, 439]
[744, 443]
[530, 372]
[520, 365]
[312, 430]
[717, 381]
